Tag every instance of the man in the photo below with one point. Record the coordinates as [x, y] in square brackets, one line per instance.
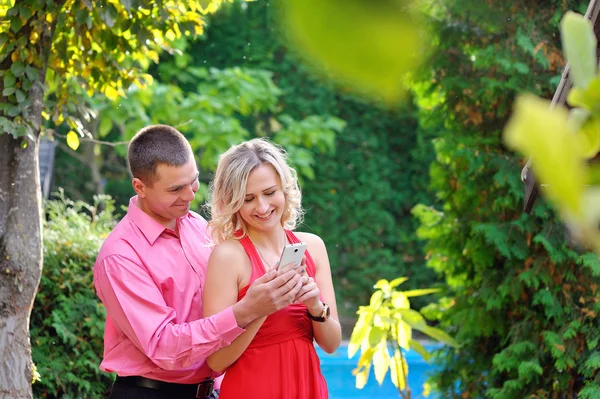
[150, 273]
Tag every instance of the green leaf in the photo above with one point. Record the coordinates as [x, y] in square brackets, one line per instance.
[9, 79]
[15, 24]
[3, 38]
[579, 44]
[8, 91]
[420, 349]
[17, 68]
[73, 140]
[20, 96]
[32, 73]
[376, 335]
[439, 335]
[412, 318]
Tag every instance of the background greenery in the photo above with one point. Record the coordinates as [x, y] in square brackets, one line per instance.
[519, 300]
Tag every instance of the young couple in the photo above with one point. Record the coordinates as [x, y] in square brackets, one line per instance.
[187, 300]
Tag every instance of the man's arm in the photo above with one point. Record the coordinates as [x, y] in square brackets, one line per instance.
[135, 304]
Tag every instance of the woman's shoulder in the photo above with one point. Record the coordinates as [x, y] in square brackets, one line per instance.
[310, 239]
[229, 249]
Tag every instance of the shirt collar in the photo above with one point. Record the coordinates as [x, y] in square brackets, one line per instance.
[149, 227]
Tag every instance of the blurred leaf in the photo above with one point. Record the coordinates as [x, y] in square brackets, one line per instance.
[381, 362]
[73, 140]
[579, 44]
[536, 131]
[369, 46]
[420, 349]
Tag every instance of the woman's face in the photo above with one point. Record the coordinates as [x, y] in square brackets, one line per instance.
[264, 203]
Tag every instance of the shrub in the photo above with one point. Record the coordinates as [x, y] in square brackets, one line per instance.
[67, 322]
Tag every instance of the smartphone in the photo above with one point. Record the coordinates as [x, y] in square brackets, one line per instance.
[292, 253]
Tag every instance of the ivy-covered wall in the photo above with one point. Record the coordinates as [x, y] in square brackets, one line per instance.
[361, 197]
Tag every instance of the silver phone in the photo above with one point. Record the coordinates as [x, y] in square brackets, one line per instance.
[292, 253]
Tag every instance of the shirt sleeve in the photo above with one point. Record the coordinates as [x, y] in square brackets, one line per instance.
[135, 305]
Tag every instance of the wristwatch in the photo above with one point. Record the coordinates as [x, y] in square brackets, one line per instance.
[325, 314]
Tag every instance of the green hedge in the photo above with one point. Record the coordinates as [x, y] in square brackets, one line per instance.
[67, 322]
[361, 197]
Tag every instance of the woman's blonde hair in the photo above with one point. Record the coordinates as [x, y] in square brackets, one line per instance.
[228, 188]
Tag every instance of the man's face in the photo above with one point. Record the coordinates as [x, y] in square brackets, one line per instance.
[170, 196]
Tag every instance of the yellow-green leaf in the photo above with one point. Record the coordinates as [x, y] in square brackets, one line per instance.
[365, 46]
[398, 370]
[439, 335]
[588, 98]
[397, 281]
[420, 349]
[73, 140]
[400, 301]
[381, 362]
[411, 317]
[579, 46]
[404, 334]
[424, 291]
[589, 139]
[536, 131]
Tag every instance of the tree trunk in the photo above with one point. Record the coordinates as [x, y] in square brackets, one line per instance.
[20, 243]
[20, 260]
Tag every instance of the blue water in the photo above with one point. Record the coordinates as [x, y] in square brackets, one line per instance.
[337, 369]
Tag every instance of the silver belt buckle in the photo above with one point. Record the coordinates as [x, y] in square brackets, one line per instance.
[205, 388]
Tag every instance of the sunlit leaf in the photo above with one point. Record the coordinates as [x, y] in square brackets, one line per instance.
[398, 370]
[381, 362]
[376, 299]
[400, 301]
[579, 46]
[420, 292]
[73, 140]
[360, 331]
[439, 335]
[411, 317]
[589, 139]
[397, 281]
[403, 334]
[536, 131]
[588, 98]
[363, 45]
[376, 335]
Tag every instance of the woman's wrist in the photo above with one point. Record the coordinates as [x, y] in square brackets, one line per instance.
[316, 309]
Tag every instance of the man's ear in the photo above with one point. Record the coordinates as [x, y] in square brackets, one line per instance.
[139, 187]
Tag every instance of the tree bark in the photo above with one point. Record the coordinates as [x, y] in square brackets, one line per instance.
[20, 241]
[20, 261]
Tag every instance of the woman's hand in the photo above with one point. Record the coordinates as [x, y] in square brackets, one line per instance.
[310, 295]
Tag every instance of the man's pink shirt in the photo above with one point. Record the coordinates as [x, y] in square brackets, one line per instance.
[151, 283]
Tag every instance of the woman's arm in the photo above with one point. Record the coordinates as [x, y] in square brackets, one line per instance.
[328, 334]
[224, 275]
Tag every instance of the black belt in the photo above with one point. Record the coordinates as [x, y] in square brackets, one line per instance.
[201, 390]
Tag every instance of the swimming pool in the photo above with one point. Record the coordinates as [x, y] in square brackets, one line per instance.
[337, 369]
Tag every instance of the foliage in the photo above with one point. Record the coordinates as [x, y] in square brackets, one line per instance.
[366, 47]
[520, 301]
[104, 45]
[385, 326]
[209, 106]
[360, 199]
[562, 142]
[67, 324]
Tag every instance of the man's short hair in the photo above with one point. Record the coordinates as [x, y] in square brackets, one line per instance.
[155, 145]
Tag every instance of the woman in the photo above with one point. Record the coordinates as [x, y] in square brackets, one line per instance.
[256, 202]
